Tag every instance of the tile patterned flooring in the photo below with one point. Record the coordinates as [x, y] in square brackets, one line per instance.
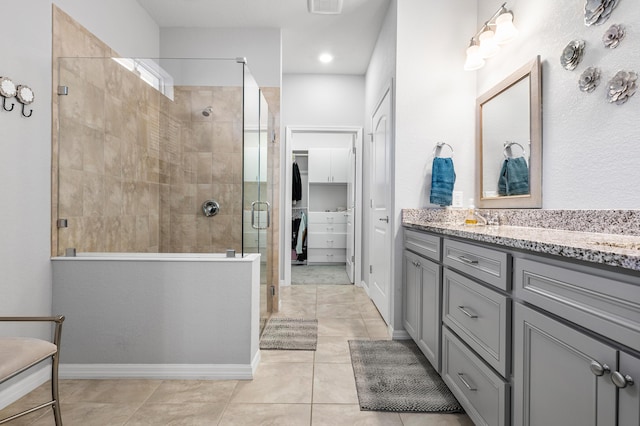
[290, 387]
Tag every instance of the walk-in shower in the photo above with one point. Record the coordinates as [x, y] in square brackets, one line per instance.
[141, 146]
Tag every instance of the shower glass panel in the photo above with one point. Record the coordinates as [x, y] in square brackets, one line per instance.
[256, 202]
[148, 150]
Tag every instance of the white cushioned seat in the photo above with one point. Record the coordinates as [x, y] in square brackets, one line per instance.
[17, 353]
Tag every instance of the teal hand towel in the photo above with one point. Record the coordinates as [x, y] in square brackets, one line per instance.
[443, 177]
[514, 177]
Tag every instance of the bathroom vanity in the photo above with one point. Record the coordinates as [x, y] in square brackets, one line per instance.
[527, 326]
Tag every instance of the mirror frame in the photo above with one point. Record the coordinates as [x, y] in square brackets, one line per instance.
[534, 198]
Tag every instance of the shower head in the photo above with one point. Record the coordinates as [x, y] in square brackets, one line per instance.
[207, 111]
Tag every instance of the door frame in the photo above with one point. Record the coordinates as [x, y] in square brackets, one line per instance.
[285, 225]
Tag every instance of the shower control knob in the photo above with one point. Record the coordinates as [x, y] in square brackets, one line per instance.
[210, 208]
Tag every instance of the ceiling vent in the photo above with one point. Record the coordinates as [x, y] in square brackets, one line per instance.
[325, 7]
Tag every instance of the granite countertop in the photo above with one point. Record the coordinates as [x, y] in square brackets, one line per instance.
[616, 250]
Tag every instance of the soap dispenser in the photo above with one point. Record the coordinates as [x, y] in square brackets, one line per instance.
[473, 218]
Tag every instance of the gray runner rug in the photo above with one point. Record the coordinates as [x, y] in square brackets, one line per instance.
[290, 334]
[395, 376]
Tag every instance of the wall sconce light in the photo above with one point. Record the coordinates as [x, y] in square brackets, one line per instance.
[486, 42]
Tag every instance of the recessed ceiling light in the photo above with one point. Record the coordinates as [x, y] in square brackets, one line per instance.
[325, 58]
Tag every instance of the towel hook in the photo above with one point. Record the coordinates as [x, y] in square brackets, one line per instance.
[438, 148]
[507, 148]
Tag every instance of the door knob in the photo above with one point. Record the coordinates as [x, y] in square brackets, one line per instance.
[384, 219]
[621, 381]
[599, 369]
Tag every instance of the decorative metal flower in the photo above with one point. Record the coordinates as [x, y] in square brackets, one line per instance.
[621, 87]
[589, 79]
[612, 36]
[572, 54]
[596, 12]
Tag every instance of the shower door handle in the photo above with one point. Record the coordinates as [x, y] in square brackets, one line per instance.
[253, 214]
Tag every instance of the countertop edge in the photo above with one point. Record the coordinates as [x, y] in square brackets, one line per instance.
[619, 260]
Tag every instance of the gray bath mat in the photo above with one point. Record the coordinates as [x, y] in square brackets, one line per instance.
[290, 334]
[395, 376]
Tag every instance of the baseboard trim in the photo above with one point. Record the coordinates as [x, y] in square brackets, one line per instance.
[254, 363]
[160, 371]
[26, 384]
[399, 334]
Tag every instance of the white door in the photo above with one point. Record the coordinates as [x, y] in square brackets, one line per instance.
[380, 249]
[351, 208]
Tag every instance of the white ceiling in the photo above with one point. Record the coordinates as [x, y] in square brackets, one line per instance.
[350, 37]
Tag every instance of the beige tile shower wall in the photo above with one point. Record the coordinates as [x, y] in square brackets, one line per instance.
[206, 164]
[104, 148]
[108, 149]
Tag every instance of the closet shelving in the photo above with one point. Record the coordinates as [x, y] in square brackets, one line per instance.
[323, 173]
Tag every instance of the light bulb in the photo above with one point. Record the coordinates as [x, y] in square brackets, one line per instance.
[474, 59]
[505, 30]
[488, 45]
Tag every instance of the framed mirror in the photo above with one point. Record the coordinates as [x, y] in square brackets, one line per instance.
[509, 141]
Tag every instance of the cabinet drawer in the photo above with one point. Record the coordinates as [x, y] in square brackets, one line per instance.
[327, 217]
[326, 255]
[606, 303]
[482, 393]
[424, 244]
[490, 266]
[480, 316]
[329, 227]
[326, 240]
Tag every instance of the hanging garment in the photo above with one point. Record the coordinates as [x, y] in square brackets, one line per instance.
[514, 177]
[295, 226]
[443, 177]
[302, 233]
[296, 189]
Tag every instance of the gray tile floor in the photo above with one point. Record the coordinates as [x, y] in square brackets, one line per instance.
[303, 388]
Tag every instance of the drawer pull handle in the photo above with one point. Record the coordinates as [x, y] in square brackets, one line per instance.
[467, 313]
[466, 383]
[620, 380]
[599, 369]
[467, 260]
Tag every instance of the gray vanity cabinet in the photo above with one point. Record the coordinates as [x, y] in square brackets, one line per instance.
[422, 286]
[560, 375]
[601, 303]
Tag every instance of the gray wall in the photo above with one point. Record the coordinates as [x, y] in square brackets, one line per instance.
[433, 101]
[317, 100]
[25, 151]
[322, 100]
[261, 47]
[590, 147]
